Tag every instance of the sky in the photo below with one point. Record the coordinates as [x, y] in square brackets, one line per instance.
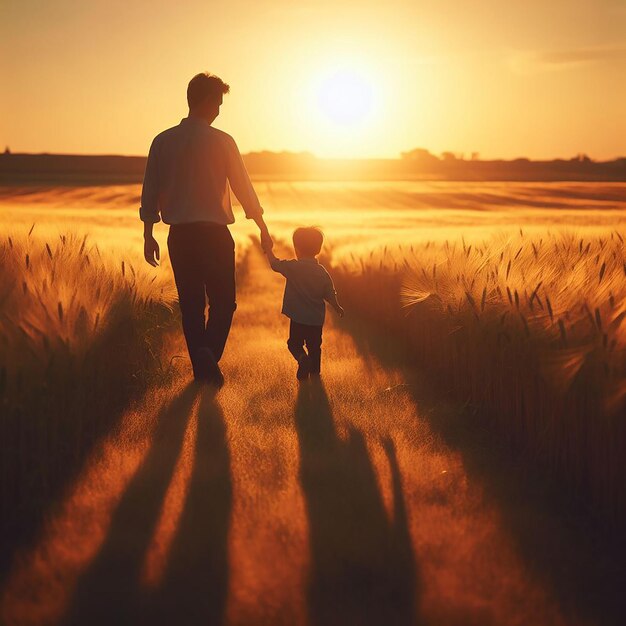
[339, 78]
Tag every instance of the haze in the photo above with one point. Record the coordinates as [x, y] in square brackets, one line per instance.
[505, 79]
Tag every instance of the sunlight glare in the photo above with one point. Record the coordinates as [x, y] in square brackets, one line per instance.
[341, 106]
[345, 97]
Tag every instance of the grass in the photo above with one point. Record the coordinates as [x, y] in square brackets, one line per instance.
[530, 330]
[334, 503]
[337, 478]
[80, 333]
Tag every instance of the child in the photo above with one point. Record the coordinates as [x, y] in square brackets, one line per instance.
[308, 286]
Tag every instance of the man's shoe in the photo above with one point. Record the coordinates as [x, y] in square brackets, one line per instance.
[303, 367]
[211, 372]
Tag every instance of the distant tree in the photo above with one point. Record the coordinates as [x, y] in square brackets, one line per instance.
[581, 158]
[419, 154]
[449, 156]
[7, 150]
[475, 156]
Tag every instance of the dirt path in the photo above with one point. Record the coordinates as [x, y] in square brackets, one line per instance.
[273, 503]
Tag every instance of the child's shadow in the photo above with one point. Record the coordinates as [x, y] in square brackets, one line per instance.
[362, 566]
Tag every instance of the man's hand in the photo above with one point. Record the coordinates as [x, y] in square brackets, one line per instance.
[151, 250]
[266, 240]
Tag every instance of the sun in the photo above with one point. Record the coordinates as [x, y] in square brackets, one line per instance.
[345, 97]
[342, 108]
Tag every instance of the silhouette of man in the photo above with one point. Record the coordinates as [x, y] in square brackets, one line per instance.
[186, 183]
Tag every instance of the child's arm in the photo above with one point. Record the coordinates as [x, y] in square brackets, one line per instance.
[333, 302]
[269, 253]
[271, 257]
[331, 297]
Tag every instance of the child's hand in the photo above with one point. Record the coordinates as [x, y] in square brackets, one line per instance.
[339, 310]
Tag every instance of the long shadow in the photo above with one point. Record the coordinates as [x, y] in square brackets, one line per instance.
[53, 430]
[362, 566]
[108, 593]
[195, 584]
[557, 538]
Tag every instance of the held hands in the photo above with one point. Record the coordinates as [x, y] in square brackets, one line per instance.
[151, 250]
[266, 240]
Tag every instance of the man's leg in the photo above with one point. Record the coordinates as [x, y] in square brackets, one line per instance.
[219, 282]
[190, 286]
[314, 347]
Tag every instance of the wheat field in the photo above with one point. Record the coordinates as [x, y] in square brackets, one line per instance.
[470, 307]
[529, 329]
[80, 331]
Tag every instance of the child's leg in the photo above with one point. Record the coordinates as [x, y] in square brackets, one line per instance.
[296, 340]
[314, 347]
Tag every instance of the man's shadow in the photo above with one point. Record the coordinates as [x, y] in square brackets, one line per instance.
[194, 585]
[362, 566]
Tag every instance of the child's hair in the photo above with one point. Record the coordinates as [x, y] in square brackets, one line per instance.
[308, 240]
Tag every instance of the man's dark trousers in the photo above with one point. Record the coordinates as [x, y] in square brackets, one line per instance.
[311, 336]
[203, 259]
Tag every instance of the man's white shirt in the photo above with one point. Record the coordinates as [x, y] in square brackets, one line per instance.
[188, 171]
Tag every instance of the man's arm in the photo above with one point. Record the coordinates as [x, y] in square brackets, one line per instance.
[244, 191]
[149, 210]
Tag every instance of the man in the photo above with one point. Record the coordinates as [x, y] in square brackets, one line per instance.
[186, 184]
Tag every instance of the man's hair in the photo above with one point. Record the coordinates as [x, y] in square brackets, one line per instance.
[308, 241]
[203, 86]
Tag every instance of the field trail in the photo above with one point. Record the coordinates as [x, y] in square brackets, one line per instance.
[329, 503]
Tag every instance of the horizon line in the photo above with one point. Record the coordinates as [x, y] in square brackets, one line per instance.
[458, 156]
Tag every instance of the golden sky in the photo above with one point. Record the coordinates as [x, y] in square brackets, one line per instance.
[505, 78]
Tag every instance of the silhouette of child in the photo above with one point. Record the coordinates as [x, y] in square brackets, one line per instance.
[307, 289]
